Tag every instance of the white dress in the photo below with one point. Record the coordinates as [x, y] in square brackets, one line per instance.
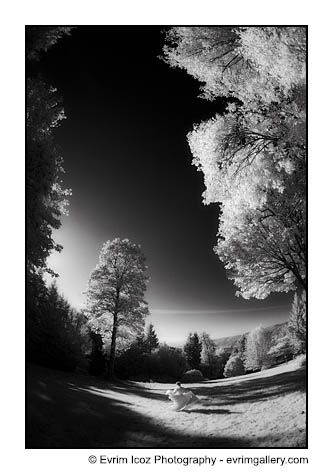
[181, 398]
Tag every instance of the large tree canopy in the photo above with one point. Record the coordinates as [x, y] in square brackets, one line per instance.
[254, 167]
[253, 157]
[250, 63]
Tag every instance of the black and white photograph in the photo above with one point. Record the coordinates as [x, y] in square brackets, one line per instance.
[166, 188]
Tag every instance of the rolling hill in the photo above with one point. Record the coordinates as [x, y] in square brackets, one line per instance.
[277, 331]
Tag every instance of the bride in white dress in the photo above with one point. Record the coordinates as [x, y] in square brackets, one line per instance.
[181, 397]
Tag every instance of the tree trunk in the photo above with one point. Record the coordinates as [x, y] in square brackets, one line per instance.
[110, 372]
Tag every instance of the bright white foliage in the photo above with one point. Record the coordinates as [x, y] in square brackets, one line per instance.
[257, 348]
[297, 323]
[231, 177]
[208, 349]
[278, 53]
[202, 52]
[234, 366]
[252, 157]
[252, 63]
[115, 302]
[259, 188]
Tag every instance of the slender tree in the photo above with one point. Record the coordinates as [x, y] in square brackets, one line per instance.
[257, 348]
[208, 354]
[192, 350]
[297, 323]
[240, 346]
[222, 355]
[115, 295]
[151, 339]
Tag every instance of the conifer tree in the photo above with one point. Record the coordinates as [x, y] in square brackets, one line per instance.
[151, 339]
[192, 350]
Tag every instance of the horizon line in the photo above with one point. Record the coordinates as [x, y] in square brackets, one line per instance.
[217, 311]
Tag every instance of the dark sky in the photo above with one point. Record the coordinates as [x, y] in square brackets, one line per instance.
[129, 167]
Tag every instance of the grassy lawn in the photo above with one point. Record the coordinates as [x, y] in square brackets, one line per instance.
[266, 409]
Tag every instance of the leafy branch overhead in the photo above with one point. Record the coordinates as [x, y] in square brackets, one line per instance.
[253, 155]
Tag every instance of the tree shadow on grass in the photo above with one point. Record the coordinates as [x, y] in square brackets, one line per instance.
[213, 411]
[75, 411]
[241, 391]
[132, 388]
[257, 389]
[63, 412]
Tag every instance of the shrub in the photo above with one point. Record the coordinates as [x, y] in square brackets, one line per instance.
[192, 375]
[97, 364]
[234, 367]
[301, 361]
[130, 363]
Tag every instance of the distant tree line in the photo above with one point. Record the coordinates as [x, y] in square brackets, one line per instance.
[146, 359]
